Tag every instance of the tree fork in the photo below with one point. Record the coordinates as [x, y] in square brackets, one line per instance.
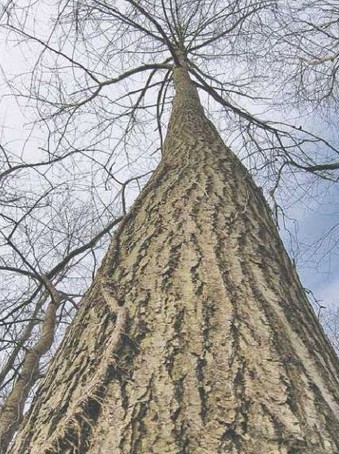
[196, 335]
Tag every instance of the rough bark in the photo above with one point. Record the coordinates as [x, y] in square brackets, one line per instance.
[196, 336]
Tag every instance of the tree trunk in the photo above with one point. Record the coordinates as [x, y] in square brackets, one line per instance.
[196, 335]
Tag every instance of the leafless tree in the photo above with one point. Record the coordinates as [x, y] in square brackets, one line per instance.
[102, 87]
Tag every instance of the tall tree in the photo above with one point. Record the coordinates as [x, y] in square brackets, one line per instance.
[195, 335]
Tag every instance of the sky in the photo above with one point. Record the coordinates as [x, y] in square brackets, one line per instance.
[320, 271]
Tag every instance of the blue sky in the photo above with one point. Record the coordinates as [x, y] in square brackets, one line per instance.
[319, 267]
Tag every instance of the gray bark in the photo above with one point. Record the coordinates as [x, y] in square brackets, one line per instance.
[196, 335]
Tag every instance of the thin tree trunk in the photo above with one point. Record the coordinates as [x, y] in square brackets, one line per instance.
[196, 336]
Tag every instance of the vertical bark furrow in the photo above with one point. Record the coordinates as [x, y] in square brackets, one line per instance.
[221, 352]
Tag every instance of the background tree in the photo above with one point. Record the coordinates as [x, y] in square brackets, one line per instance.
[148, 41]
